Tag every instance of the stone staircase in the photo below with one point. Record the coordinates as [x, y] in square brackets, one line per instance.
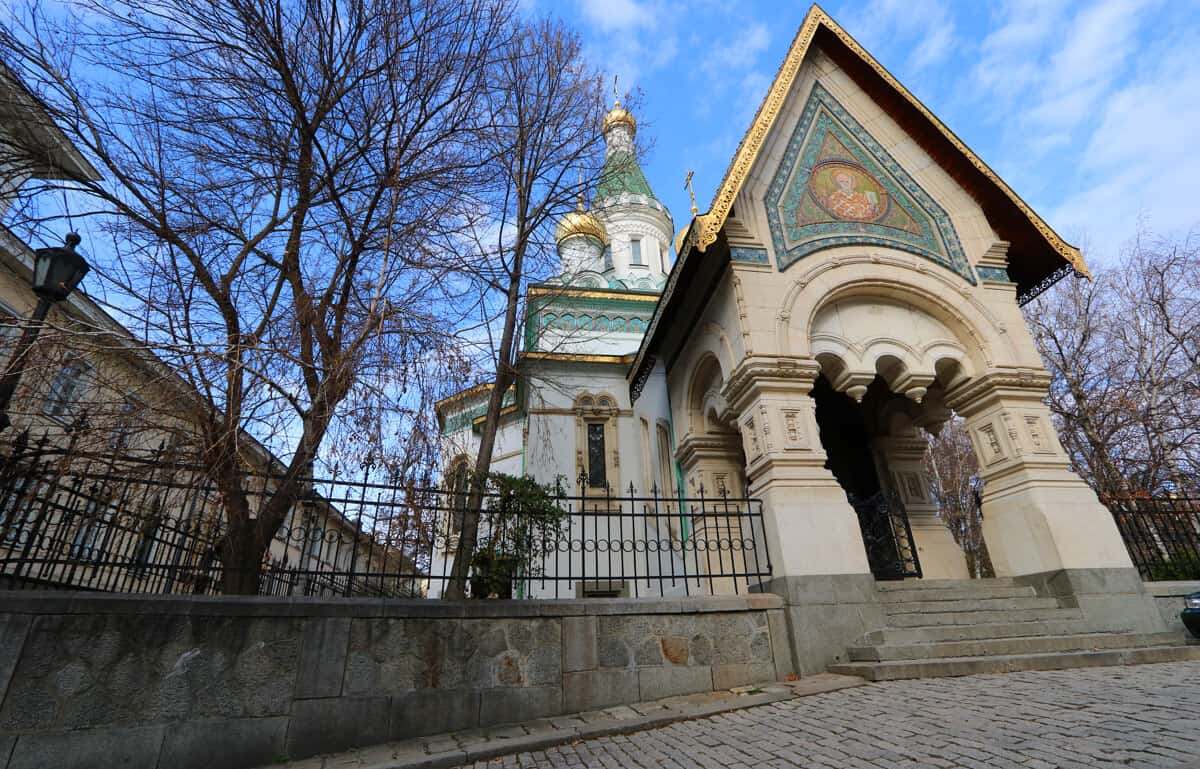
[939, 628]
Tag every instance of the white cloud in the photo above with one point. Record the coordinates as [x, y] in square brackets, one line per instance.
[1140, 160]
[631, 38]
[610, 15]
[923, 32]
[1095, 116]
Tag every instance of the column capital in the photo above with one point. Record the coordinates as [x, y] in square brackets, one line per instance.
[1005, 383]
[756, 374]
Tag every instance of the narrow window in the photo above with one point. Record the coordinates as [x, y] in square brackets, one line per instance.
[664, 461]
[597, 477]
[635, 250]
[662, 257]
[65, 389]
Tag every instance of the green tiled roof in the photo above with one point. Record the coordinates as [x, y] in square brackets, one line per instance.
[621, 173]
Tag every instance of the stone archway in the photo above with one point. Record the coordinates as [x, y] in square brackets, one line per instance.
[885, 365]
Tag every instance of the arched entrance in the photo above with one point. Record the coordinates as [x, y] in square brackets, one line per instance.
[884, 368]
[713, 462]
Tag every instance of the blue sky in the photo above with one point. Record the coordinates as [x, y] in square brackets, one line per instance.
[1089, 110]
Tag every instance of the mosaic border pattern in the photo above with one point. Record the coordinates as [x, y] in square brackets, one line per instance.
[994, 274]
[822, 113]
[749, 255]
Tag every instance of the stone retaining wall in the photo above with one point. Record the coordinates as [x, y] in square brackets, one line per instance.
[1169, 598]
[96, 681]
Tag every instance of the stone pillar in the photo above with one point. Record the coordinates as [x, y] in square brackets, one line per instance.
[818, 559]
[1042, 523]
[903, 459]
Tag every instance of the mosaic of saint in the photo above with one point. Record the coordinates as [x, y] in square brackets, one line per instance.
[836, 186]
[841, 189]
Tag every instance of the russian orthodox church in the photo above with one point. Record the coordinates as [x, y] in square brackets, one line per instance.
[856, 281]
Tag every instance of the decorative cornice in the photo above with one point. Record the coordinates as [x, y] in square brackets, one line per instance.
[710, 222]
[695, 447]
[1030, 383]
[761, 371]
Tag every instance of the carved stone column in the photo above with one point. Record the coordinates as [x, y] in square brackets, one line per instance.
[818, 559]
[1040, 520]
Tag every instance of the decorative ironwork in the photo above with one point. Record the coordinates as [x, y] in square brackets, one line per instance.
[887, 535]
[145, 525]
[1027, 295]
[1162, 535]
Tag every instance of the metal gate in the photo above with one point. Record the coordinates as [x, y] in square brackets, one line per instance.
[887, 535]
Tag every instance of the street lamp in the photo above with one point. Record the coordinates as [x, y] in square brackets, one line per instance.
[56, 273]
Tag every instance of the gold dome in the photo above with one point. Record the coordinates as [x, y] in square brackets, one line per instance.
[577, 223]
[618, 115]
[679, 236]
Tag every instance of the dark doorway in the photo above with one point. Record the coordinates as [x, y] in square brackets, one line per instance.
[846, 437]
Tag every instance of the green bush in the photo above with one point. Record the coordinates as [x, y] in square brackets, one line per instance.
[521, 524]
[1179, 567]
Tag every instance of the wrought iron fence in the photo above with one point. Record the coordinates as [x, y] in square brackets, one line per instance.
[147, 525]
[1162, 535]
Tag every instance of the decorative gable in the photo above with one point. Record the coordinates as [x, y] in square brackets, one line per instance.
[837, 186]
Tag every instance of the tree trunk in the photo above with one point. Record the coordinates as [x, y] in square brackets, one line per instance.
[242, 552]
[457, 585]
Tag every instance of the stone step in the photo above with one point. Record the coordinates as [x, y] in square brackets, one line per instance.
[993, 647]
[983, 617]
[938, 584]
[965, 666]
[900, 636]
[957, 593]
[970, 605]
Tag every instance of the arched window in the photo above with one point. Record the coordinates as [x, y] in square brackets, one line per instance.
[596, 453]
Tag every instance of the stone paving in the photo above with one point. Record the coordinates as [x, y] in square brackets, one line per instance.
[1139, 717]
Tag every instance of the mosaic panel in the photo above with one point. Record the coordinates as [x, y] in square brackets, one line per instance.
[838, 186]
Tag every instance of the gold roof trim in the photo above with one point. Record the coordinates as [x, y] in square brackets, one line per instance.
[583, 293]
[578, 357]
[711, 222]
[482, 387]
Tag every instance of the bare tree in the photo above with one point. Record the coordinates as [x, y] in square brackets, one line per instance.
[957, 487]
[281, 181]
[545, 149]
[1123, 352]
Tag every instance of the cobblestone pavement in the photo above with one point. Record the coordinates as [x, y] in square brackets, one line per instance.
[1140, 717]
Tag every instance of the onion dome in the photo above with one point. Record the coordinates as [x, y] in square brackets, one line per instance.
[577, 224]
[618, 115]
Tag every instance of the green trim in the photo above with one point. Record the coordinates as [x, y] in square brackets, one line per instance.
[464, 419]
[622, 174]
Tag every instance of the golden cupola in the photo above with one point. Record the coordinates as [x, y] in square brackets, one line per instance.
[580, 223]
[618, 115]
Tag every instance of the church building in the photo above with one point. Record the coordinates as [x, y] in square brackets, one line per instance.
[855, 282]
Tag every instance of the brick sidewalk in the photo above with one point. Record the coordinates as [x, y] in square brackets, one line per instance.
[1142, 717]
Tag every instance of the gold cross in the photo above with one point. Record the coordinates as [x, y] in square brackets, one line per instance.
[687, 183]
[616, 94]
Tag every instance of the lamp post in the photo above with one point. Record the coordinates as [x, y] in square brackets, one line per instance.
[56, 273]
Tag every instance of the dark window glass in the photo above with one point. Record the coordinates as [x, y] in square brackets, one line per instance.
[596, 472]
